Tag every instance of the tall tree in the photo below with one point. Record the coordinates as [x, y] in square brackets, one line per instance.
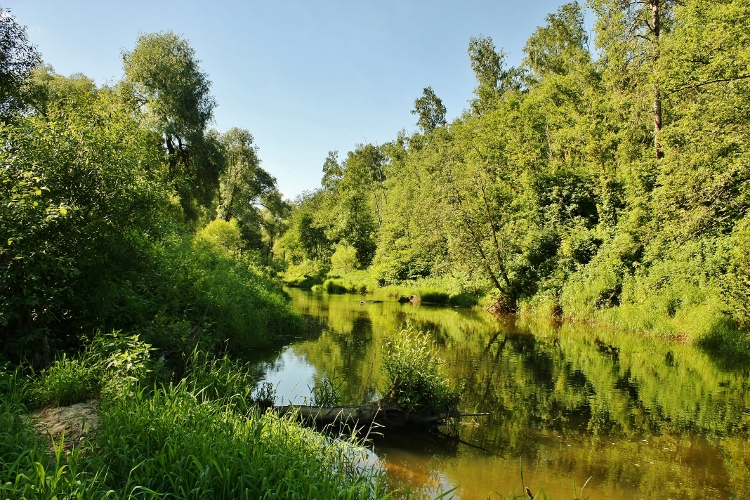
[430, 110]
[168, 83]
[332, 171]
[559, 45]
[18, 58]
[630, 33]
[247, 192]
[487, 64]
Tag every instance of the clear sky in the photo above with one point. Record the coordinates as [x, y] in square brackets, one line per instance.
[304, 77]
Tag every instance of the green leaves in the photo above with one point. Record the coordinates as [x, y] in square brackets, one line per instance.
[413, 371]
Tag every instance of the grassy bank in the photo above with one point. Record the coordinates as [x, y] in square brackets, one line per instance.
[670, 309]
[431, 290]
[153, 437]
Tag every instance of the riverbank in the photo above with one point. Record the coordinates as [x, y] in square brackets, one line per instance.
[700, 317]
[153, 439]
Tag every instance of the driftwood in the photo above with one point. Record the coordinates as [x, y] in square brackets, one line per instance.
[381, 413]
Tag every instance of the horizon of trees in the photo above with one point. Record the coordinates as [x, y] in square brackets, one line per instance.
[601, 176]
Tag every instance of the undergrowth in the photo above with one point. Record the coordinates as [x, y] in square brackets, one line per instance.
[200, 437]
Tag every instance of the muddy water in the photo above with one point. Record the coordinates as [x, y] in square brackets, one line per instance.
[637, 418]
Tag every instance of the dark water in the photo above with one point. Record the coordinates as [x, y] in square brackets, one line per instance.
[641, 418]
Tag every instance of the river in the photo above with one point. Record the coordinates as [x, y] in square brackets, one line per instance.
[636, 417]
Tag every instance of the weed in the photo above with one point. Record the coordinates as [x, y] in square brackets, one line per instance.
[413, 370]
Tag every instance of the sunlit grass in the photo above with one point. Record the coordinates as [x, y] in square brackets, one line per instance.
[198, 438]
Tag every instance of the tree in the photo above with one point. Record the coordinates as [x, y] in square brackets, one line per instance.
[487, 65]
[493, 79]
[78, 192]
[630, 32]
[559, 45]
[49, 92]
[18, 58]
[247, 192]
[430, 110]
[332, 171]
[167, 82]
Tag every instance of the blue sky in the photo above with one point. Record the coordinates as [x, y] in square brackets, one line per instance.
[304, 77]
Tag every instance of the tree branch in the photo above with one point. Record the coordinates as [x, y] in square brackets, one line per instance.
[707, 82]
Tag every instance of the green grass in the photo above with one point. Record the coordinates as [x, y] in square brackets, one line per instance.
[201, 437]
[414, 374]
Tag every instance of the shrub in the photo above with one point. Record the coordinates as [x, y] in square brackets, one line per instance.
[413, 370]
[224, 235]
[344, 259]
[334, 286]
[111, 364]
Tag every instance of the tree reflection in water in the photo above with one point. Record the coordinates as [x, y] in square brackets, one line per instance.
[640, 416]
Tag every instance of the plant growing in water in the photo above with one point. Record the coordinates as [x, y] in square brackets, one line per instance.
[326, 393]
[413, 371]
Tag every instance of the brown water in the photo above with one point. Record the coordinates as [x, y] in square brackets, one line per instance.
[641, 418]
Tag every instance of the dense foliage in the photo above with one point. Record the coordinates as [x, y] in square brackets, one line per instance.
[122, 210]
[601, 180]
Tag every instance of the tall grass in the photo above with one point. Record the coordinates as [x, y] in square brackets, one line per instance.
[172, 442]
[414, 374]
[198, 438]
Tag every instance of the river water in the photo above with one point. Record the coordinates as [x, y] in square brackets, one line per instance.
[636, 417]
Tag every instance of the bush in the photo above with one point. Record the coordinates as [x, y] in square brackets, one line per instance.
[111, 364]
[334, 286]
[306, 274]
[224, 235]
[344, 259]
[413, 370]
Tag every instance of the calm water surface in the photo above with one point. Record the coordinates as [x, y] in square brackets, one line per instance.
[642, 418]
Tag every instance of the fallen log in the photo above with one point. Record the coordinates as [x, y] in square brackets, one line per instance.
[384, 414]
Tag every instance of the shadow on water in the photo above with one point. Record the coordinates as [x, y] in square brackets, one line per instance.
[642, 417]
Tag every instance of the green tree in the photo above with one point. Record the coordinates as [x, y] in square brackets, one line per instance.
[332, 171]
[430, 110]
[169, 85]
[487, 64]
[49, 92]
[78, 191]
[18, 58]
[630, 33]
[559, 45]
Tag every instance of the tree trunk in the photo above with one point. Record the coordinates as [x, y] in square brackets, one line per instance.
[384, 414]
[656, 32]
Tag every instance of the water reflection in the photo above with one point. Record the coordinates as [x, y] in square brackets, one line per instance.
[642, 418]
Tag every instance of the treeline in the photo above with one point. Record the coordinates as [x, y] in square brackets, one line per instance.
[603, 177]
[122, 209]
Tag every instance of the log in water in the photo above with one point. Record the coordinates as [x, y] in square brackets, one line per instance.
[382, 413]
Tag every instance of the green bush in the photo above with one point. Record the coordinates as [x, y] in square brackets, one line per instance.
[306, 274]
[433, 296]
[224, 235]
[344, 259]
[109, 366]
[412, 369]
[225, 301]
[334, 286]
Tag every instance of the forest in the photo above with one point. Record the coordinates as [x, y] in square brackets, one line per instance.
[606, 180]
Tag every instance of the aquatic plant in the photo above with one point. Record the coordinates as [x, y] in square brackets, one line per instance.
[412, 369]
